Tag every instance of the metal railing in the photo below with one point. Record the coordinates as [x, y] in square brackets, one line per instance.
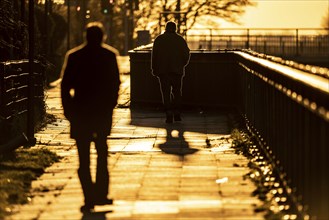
[288, 109]
[285, 104]
[15, 96]
[284, 42]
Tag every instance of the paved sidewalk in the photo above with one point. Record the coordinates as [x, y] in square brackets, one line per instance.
[157, 171]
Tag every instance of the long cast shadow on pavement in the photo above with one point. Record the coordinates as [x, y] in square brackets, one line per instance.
[193, 121]
[176, 144]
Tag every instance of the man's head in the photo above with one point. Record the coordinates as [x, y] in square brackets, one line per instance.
[95, 33]
[171, 26]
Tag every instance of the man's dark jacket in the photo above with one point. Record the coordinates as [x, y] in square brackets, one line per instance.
[170, 54]
[92, 73]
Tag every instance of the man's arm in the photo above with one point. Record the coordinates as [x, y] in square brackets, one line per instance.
[66, 86]
[186, 53]
[154, 58]
[115, 83]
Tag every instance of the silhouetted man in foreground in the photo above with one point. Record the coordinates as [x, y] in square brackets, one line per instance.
[89, 92]
[170, 55]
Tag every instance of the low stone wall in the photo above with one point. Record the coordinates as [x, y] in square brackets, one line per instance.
[210, 80]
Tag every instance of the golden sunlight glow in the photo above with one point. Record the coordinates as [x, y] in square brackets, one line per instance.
[175, 133]
[275, 14]
[284, 14]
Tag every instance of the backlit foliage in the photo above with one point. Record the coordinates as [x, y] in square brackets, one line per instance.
[150, 12]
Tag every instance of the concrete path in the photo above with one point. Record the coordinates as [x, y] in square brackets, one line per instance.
[157, 171]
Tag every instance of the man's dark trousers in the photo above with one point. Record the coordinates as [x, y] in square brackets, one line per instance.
[93, 192]
[171, 91]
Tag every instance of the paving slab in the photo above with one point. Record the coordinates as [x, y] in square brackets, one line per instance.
[157, 171]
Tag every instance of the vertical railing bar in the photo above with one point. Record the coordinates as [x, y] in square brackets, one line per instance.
[30, 117]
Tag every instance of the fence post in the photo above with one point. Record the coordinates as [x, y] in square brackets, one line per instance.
[297, 43]
[30, 113]
[210, 39]
[68, 25]
[247, 46]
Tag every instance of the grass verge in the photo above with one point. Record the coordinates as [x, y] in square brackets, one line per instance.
[17, 170]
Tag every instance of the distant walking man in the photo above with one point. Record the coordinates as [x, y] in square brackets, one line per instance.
[170, 55]
[89, 92]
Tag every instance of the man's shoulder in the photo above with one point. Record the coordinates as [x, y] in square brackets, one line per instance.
[159, 37]
[75, 50]
[110, 49]
[171, 35]
[180, 37]
[75, 53]
[83, 48]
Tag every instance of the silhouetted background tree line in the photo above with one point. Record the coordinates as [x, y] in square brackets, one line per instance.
[122, 21]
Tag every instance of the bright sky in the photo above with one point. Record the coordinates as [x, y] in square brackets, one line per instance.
[284, 14]
[281, 14]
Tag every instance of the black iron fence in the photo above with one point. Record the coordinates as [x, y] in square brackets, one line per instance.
[289, 110]
[286, 105]
[278, 42]
[15, 102]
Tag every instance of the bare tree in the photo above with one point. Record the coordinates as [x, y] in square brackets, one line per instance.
[152, 13]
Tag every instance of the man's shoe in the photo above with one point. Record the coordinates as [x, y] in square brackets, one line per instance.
[177, 117]
[169, 119]
[105, 201]
[87, 208]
